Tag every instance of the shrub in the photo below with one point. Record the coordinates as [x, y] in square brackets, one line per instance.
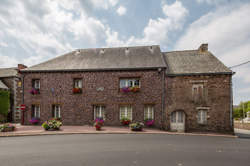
[52, 124]
[125, 121]
[136, 126]
[7, 127]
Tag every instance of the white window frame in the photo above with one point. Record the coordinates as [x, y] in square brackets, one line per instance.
[57, 111]
[36, 111]
[202, 116]
[99, 111]
[148, 112]
[129, 82]
[127, 108]
[36, 83]
[77, 83]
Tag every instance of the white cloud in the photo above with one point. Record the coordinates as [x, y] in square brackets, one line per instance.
[121, 10]
[216, 2]
[157, 30]
[227, 31]
[104, 4]
[6, 61]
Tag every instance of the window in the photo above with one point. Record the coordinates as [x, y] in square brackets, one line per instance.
[148, 112]
[126, 112]
[35, 112]
[77, 86]
[202, 117]
[198, 92]
[56, 111]
[99, 111]
[78, 83]
[36, 84]
[129, 83]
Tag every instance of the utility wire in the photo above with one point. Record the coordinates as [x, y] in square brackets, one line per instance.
[239, 64]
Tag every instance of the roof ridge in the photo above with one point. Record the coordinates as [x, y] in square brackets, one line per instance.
[179, 51]
[118, 47]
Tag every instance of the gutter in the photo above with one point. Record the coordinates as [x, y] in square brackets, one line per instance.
[97, 70]
[196, 74]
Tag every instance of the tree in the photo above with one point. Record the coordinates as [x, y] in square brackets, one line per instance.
[238, 111]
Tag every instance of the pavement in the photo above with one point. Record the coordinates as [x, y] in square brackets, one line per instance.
[123, 150]
[32, 130]
[242, 133]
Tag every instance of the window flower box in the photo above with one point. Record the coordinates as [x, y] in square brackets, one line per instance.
[34, 121]
[136, 126]
[130, 89]
[34, 91]
[125, 121]
[77, 90]
[7, 127]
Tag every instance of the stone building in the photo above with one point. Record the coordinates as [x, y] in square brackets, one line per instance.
[180, 90]
[11, 78]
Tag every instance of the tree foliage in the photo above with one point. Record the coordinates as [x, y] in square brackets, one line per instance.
[238, 111]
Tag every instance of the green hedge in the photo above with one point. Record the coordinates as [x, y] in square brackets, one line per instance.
[4, 102]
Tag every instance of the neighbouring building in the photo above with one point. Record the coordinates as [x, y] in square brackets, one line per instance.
[180, 90]
[10, 79]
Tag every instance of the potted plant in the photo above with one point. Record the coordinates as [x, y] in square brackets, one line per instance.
[125, 121]
[149, 122]
[136, 126]
[52, 125]
[34, 121]
[99, 122]
[7, 127]
[125, 89]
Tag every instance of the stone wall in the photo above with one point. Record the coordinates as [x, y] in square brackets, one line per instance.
[216, 100]
[240, 125]
[77, 109]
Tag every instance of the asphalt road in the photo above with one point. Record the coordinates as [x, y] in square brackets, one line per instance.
[123, 149]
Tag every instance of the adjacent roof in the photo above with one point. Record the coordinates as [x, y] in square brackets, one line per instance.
[194, 62]
[8, 72]
[2, 85]
[105, 59]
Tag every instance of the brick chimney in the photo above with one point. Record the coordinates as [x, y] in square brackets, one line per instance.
[203, 47]
[21, 66]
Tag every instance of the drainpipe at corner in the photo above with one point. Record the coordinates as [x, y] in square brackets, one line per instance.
[163, 99]
[23, 99]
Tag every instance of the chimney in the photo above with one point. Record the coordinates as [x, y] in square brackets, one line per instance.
[203, 47]
[21, 66]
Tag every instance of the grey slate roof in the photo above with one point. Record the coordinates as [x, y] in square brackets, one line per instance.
[105, 59]
[3, 86]
[193, 62]
[8, 72]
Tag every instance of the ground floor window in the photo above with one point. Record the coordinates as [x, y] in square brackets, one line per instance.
[99, 112]
[177, 117]
[35, 112]
[148, 112]
[56, 111]
[202, 117]
[126, 112]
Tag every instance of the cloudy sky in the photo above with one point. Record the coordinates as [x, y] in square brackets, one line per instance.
[32, 31]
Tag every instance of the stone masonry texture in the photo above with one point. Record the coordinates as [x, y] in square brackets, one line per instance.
[77, 109]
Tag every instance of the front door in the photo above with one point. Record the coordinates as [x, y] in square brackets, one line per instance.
[177, 121]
